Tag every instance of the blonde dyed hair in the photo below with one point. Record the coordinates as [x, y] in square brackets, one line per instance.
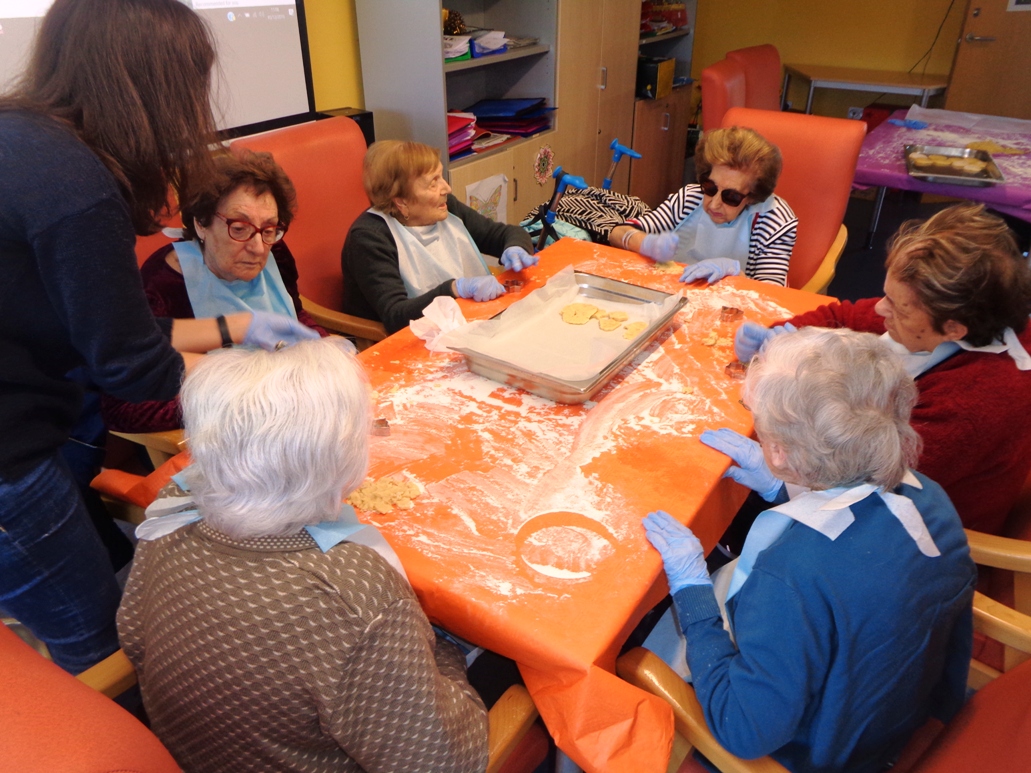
[390, 169]
[963, 264]
[744, 150]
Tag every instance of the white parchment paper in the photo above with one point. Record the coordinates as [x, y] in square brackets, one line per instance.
[531, 334]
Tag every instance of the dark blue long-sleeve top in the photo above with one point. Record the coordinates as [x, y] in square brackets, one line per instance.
[70, 292]
[844, 647]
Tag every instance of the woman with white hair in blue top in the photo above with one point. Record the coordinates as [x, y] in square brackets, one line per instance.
[849, 610]
[270, 630]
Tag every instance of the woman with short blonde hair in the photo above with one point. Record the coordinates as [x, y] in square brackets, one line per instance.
[730, 219]
[418, 242]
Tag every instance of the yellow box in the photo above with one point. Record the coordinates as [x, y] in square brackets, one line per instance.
[655, 77]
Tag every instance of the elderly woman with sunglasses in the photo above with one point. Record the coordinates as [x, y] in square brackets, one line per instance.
[849, 611]
[729, 219]
[222, 265]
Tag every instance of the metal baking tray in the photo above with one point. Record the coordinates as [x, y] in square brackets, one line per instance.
[943, 172]
[574, 392]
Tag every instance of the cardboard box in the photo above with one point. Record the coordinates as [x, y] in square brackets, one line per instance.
[655, 77]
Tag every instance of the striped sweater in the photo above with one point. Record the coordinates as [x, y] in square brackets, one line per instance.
[772, 232]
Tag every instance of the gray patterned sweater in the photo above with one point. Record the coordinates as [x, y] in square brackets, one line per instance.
[269, 655]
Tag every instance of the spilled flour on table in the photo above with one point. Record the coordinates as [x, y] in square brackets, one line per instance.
[503, 470]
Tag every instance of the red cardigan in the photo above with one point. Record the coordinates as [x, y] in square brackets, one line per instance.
[167, 296]
[973, 416]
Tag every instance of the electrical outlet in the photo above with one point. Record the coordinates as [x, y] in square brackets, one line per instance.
[855, 112]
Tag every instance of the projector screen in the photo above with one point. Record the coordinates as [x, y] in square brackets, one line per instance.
[262, 79]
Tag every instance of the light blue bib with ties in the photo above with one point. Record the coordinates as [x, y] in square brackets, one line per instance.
[701, 238]
[211, 296]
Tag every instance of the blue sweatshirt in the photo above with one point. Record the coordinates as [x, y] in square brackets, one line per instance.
[844, 647]
[70, 291]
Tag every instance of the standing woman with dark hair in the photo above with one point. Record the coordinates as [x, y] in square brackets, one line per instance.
[112, 110]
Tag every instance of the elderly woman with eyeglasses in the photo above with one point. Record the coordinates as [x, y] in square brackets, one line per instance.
[222, 265]
[849, 610]
[729, 220]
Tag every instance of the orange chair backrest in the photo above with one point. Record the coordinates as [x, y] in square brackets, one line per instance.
[723, 87]
[324, 161]
[763, 78]
[52, 721]
[820, 156]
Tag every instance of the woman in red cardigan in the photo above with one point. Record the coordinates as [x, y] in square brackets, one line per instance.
[221, 266]
[956, 302]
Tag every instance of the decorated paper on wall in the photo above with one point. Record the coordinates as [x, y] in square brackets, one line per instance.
[489, 197]
[544, 164]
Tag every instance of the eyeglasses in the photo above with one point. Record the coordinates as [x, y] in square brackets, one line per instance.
[242, 231]
[730, 197]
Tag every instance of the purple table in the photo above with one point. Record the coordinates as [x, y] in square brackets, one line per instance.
[881, 161]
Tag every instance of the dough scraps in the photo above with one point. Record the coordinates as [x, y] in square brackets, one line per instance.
[634, 329]
[668, 267]
[992, 146]
[382, 495]
[578, 313]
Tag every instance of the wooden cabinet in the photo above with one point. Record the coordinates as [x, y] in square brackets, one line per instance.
[660, 135]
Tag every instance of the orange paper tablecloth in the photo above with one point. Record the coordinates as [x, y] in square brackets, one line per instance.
[527, 539]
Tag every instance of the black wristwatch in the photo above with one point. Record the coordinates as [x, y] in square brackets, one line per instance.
[223, 329]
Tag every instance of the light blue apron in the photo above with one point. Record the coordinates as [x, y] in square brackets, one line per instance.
[211, 296]
[701, 239]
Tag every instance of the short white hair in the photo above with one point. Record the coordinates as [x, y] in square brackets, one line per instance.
[838, 402]
[277, 438]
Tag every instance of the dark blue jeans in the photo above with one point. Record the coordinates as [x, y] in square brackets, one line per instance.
[55, 575]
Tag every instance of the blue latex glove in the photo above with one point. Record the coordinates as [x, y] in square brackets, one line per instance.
[516, 259]
[751, 471]
[711, 270]
[479, 288]
[660, 247]
[273, 331]
[682, 554]
[751, 337]
[908, 123]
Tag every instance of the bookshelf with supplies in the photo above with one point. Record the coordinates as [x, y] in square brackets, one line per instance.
[411, 87]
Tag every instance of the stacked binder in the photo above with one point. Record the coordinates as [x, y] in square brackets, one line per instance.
[521, 117]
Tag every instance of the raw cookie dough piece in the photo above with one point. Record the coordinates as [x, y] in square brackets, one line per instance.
[994, 147]
[578, 313]
[608, 323]
[668, 267]
[938, 158]
[619, 316]
[920, 160]
[634, 329]
[711, 339]
[382, 495]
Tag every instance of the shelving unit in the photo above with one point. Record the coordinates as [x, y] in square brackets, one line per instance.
[409, 88]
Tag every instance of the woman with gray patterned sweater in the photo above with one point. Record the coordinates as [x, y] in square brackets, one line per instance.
[266, 636]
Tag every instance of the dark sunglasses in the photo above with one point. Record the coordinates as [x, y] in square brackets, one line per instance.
[730, 197]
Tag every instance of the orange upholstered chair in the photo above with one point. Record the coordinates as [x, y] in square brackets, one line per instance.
[762, 75]
[54, 722]
[723, 87]
[324, 161]
[820, 157]
[991, 732]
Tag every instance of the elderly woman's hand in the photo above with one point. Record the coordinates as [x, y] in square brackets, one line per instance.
[751, 337]
[273, 331]
[751, 471]
[682, 554]
[711, 270]
[516, 259]
[660, 247]
[479, 288]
